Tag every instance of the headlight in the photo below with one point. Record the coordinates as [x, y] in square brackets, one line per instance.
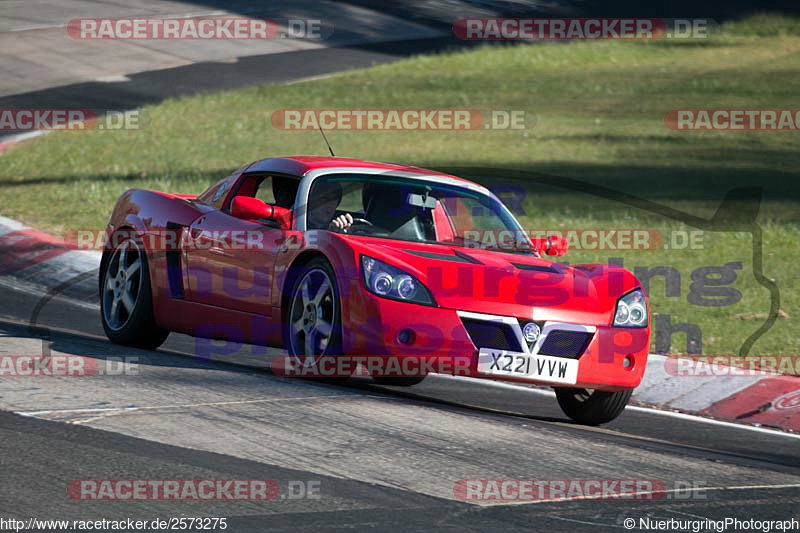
[390, 282]
[631, 310]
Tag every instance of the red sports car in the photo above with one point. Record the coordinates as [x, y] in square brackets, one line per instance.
[332, 258]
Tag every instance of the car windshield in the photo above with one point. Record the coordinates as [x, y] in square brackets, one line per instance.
[413, 210]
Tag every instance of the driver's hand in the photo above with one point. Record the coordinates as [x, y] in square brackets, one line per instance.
[343, 221]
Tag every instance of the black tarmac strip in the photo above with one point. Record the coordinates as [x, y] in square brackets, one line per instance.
[202, 77]
[41, 457]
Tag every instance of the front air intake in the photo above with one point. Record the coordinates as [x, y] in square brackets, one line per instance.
[562, 343]
[495, 335]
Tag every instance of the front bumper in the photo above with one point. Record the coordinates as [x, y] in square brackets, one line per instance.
[378, 327]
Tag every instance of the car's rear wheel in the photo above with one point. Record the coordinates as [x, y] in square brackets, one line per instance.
[126, 300]
[592, 407]
[313, 328]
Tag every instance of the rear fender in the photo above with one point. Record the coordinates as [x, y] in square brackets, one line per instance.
[150, 212]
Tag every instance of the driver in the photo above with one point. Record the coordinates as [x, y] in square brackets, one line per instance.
[322, 212]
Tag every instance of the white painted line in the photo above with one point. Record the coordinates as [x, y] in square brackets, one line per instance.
[190, 405]
[87, 410]
[319, 77]
[713, 421]
[584, 522]
[650, 410]
[119, 78]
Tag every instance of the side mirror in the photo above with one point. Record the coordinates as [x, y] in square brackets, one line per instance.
[248, 208]
[552, 245]
[558, 245]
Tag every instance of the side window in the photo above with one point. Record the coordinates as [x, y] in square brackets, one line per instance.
[275, 190]
[469, 214]
[215, 195]
[265, 192]
[459, 215]
[352, 199]
[279, 190]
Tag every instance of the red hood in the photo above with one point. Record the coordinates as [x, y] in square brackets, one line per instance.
[509, 284]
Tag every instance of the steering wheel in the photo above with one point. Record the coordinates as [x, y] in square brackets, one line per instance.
[357, 221]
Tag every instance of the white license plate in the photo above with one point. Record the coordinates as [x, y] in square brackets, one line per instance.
[527, 366]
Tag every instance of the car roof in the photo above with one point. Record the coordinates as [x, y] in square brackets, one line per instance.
[299, 165]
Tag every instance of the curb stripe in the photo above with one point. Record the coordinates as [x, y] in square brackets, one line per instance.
[771, 402]
[25, 248]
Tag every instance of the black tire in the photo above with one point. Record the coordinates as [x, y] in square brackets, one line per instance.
[398, 381]
[333, 343]
[138, 328]
[592, 407]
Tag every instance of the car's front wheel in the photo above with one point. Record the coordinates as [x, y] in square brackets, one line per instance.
[312, 329]
[126, 300]
[592, 407]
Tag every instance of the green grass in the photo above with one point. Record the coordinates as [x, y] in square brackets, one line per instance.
[599, 109]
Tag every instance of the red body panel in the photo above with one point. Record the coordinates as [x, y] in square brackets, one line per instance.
[193, 294]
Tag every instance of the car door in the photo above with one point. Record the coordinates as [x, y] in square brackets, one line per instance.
[230, 261]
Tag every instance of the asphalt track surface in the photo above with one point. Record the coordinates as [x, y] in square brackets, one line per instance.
[382, 457]
[154, 86]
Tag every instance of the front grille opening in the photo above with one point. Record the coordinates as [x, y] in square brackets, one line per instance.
[561, 343]
[493, 335]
